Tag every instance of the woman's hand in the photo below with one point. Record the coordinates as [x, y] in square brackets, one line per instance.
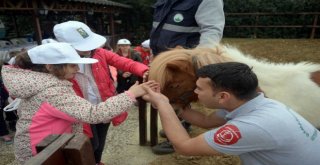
[139, 90]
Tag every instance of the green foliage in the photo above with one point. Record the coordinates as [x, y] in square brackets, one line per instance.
[140, 17]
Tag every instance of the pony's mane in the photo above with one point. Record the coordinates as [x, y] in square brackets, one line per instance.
[158, 67]
[197, 56]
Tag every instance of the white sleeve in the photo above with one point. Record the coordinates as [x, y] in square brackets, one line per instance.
[210, 18]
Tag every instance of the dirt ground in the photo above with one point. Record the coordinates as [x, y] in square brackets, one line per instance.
[276, 50]
[279, 50]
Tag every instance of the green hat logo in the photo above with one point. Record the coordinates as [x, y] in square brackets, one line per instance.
[83, 33]
[178, 18]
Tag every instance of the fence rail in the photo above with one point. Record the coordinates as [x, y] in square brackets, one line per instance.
[313, 25]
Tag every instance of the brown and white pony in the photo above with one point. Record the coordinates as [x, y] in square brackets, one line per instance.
[296, 85]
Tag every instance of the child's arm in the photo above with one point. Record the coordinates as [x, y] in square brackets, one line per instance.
[122, 63]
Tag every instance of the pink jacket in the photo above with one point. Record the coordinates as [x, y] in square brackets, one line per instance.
[50, 106]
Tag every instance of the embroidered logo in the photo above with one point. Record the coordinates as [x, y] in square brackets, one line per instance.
[227, 135]
[83, 33]
[178, 18]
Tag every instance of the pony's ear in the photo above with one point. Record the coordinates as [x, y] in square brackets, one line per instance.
[178, 65]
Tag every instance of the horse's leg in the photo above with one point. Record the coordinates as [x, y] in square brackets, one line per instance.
[315, 77]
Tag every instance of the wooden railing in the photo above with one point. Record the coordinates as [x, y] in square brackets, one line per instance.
[312, 25]
[65, 149]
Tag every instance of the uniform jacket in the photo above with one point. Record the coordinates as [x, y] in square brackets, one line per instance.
[50, 106]
[186, 23]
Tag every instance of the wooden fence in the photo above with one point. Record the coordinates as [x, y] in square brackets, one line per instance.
[312, 25]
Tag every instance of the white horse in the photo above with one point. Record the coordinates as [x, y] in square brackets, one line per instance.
[288, 83]
[296, 85]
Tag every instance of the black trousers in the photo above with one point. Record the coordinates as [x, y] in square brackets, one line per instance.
[10, 117]
[98, 140]
[3, 125]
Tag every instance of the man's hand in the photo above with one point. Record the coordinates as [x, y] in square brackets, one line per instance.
[154, 96]
[139, 90]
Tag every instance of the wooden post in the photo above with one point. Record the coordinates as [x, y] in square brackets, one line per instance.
[36, 21]
[85, 17]
[142, 121]
[153, 126]
[100, 26]
[79, 151]
[13, 17]
[255, 28]
[315, 22]
[113, 39]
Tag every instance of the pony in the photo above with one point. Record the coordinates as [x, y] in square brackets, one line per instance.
[295, 84]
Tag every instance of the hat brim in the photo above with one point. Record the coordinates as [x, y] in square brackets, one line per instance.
[84, 61]
[93, 42]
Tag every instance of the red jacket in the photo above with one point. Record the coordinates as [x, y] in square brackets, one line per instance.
[102, 75]
[145, 55]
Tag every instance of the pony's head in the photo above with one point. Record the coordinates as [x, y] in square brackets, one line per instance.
[175, 71]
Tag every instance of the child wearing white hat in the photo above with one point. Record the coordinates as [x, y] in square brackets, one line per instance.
[126, 79]
[145, 51]
[95, 81]
[49, 104]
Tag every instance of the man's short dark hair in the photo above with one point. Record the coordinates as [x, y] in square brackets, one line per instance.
[235, 77]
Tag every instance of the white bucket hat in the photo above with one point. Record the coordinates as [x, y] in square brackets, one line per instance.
[79, 35]
[146, 44]
[124, 42]
[57, 53]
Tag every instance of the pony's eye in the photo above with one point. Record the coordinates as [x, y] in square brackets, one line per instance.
[174, 86]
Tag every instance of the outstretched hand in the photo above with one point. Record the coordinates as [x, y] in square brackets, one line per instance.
[126, 74]
[154, 96]
[145, 76]
[138, 90]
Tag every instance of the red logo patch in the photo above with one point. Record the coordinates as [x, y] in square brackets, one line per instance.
[227, 135]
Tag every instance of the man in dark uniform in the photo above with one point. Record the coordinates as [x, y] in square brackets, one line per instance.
[187, 24]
